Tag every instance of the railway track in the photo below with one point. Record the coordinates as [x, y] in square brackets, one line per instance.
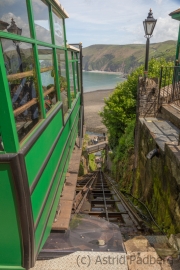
[97, 195]
[102, 220]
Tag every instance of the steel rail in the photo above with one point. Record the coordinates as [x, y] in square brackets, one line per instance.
[90, 183]
[134, 217]
[104, 197]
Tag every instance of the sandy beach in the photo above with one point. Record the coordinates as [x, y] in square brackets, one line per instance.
[93, 104]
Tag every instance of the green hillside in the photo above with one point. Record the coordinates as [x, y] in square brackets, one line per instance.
[124, 58]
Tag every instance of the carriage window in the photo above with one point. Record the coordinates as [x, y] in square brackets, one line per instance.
[71, 77]
[62, 79]
[47, 76]
[41, 19]
[58, 29]
[14, 17]
[20, 69]
[69, 56]
[79, 73]
[76, 66]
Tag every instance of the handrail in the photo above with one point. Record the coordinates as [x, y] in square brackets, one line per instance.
[31, 102]
[21, 75]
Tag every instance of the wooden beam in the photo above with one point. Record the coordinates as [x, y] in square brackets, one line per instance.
[21, 75]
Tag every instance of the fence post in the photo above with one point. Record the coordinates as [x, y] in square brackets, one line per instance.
[160, 84]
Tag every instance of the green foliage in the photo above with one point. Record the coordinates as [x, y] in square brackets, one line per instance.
[126, 142]
[92, 164]
[85, 141]
[122, 157]
[63, 83]
[118, 111]
[120, 107]
[81, 169]
[119, 115]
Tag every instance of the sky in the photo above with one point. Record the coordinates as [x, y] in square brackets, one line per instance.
[118, 21]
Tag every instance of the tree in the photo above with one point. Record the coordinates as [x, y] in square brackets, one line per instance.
[120, 107]
[118, 111]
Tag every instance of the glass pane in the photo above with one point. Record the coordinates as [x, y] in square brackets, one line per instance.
[69, 55]
[14, 17]
[149, 28]
[71, 82]
[79, 77]
[79, 72]
[41, 19]
[76, 74]
[20, 68]
[62, 79]
[58, 29]
[47, 76]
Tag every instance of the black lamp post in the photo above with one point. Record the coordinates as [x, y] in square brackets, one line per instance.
[3, 25]
[149, 25]
[14, 29]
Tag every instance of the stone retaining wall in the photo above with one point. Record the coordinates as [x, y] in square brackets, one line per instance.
[156, 181]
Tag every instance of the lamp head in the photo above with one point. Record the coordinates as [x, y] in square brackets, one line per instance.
[14, 29]
[149, 24]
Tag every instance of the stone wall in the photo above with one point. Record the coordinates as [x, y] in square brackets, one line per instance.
[147, 105]
[156, 181]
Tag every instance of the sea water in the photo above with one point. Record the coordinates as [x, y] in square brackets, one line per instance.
[93, 81]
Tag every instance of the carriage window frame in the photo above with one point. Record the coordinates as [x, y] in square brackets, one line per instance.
[35, 43]
[74, 61]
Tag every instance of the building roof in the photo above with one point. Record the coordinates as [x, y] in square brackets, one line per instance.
[175, 12]
[63, 12]
[72, 48]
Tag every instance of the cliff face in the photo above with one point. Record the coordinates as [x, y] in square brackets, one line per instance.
[124, 58]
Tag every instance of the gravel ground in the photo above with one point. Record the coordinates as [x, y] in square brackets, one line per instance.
[93, 104]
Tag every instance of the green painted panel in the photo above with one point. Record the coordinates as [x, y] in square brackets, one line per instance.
[10, 242]
[60, 177]
[53, 212]
[11, 268]
[42, 222]
[37, 154]
[49, 225]
[44, 182]
[43, 185]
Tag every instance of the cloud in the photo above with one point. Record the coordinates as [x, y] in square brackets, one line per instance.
[7, 2]
[158, 1]
[166, 29]
[138, 42]
[118, 22]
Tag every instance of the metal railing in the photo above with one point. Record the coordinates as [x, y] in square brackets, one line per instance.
[169, 85]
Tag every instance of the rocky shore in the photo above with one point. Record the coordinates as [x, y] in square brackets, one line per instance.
[93, 104]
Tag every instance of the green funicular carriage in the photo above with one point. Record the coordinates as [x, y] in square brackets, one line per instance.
[41, 114]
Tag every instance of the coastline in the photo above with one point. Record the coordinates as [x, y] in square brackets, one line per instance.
[105, 72]
[100, 90]
[96, 80]
[93, 104]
